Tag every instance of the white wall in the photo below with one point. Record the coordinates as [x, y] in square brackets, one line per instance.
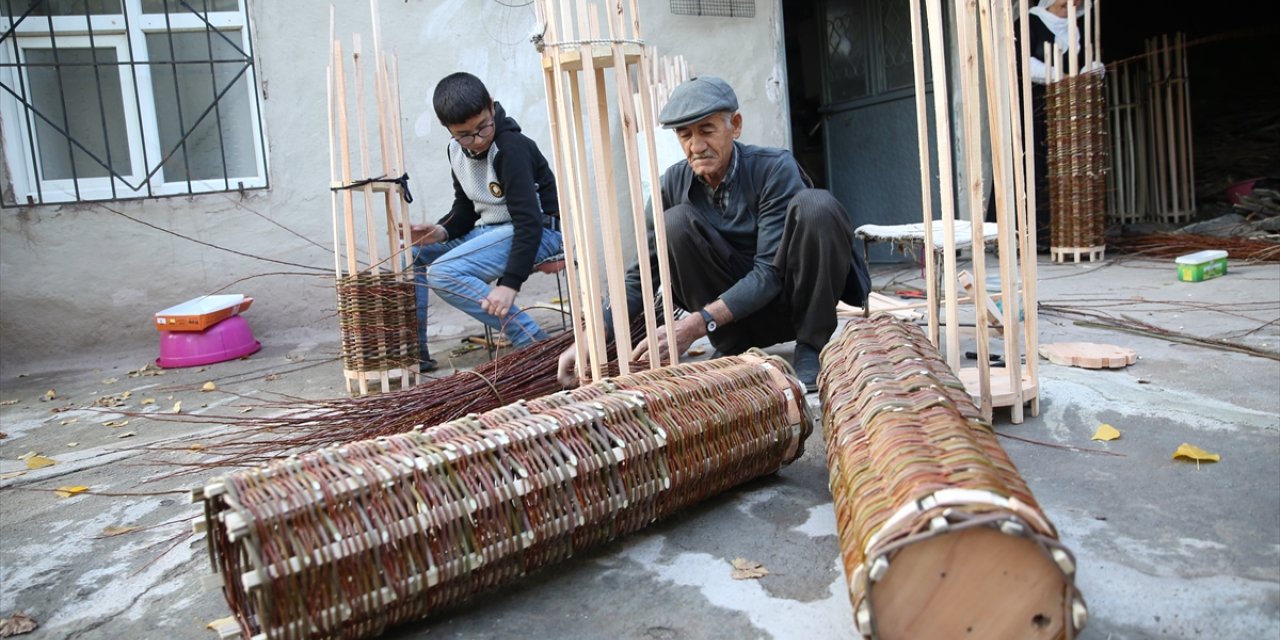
[80, 280]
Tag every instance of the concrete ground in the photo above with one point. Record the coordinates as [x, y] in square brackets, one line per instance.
[1166, 548]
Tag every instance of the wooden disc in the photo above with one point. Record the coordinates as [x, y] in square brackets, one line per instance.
[1001, 386]
[975, 583]
[1089, 355]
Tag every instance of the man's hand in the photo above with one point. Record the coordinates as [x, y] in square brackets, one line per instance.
[689, 328]
[566, 373]
[499, 301]
[425, 234]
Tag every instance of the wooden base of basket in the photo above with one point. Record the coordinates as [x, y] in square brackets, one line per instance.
[975, 583]
[1092, 254]
[1001, 389]
[359, 382]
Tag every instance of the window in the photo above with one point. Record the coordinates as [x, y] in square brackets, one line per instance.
[119, 99]
[720, 8]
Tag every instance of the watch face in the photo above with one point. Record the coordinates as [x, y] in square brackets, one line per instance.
[711, 326]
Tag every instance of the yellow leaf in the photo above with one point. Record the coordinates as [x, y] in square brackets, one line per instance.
[5, 403]
[110, 380]
[209, 386]
[149, 401]
[50, 395]
[11, 474]
[113, 530]
[1106, 432]
[73, 444]
[197, 447]
[29, 454]
[40, 462]
[125, 395]
[177, 407]
[1192, 452]
[115, 423]
[68, 491]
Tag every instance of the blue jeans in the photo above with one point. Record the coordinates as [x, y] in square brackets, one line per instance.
[460, 270]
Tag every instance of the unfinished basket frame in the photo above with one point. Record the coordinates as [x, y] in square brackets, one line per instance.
[987, 24]
[580, 62]
[376, 292]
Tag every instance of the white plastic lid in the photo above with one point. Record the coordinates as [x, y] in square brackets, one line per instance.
[1201, 256]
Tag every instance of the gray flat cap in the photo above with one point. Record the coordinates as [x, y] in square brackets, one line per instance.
[696, 99]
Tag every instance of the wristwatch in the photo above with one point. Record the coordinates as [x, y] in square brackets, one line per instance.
[709, 319]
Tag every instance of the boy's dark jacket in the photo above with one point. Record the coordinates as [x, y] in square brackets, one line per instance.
[530, 188]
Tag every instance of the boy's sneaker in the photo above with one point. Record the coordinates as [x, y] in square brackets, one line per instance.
[807, 364]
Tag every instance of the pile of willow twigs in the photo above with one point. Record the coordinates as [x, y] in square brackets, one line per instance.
[307, 425]
[1172, 245]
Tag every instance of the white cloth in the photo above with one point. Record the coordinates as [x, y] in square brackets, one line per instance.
[914, 233]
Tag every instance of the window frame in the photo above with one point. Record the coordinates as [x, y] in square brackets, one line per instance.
[127, 32]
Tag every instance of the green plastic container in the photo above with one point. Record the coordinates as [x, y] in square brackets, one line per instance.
[1202, 265]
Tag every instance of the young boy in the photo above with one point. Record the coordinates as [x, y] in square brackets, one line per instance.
[505, 216]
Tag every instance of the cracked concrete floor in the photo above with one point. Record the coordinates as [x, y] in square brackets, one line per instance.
[1166, 548]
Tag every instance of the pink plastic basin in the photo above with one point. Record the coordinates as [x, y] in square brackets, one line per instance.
[229, 339]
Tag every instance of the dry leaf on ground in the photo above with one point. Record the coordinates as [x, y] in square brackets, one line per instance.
[5, 403]
[115, 423]
[1106, 432]
[1192, 452]
[17, 624]
[40, 462]
[209, 386]
[744, 569]
[68, 491]
[115, 530]
[12, 474]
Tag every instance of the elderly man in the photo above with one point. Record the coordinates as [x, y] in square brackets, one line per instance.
[757, 258]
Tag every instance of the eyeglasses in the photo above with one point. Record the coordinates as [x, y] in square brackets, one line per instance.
[483, 132]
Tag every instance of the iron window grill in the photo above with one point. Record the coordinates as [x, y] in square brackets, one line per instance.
[720, 8]
[123, 99]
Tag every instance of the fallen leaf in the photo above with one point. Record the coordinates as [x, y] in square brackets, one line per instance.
[197, 447]
[209, 386]
[17, 624]
[744, 569]
[147, 401]
[246, 410]
[557, 300]
[68, 491]
[271, 377]
[66, 422]
[177, 407]
[110, 380]
[127, 434]
[73, 444]
[1106, 432]
[50, 395]
[40, 462]
[5, 403]
[228, 622]
[12, 474]
[1191, 452]
[29, 454]
[115, 423]
[114, 530]
[125, 395]
[3, 435]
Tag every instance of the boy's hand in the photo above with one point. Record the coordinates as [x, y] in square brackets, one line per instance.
[425, 234]
[499, 301]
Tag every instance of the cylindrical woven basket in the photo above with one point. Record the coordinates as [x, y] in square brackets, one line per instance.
[939, 535]
[348, 541]
[1078, 160]
[378, 322]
